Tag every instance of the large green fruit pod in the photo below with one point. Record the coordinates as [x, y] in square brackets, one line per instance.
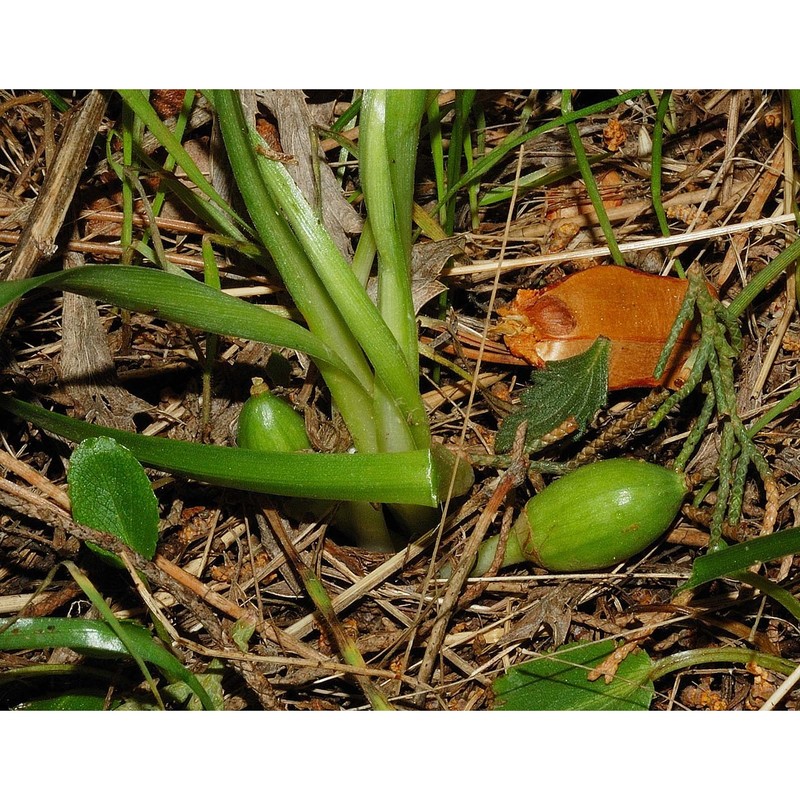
[594, 517]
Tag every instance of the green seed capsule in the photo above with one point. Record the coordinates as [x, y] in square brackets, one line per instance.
[592, 518]
[269, 424]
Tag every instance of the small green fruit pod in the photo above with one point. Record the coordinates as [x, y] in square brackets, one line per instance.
[595, 517]
[269, 424]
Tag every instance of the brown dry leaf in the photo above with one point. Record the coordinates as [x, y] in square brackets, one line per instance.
[551, 607]
[632, 309]
[427, 262]
[167, 102]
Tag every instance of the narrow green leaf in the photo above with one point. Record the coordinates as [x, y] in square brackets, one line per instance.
[177, 299]
[58, 102]
[763, 278]
[558, 682]
[389, 139]
[739, 557]
[535, 180]
[107, 615]
[409, 477]
[96, 638]
[110, 492]
[274, 201]
[352, 395]
[493, 158]
[575, 387]
[591, 185]
[137, 101]
[69, 701]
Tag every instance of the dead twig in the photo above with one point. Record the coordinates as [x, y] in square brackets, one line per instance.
[38, 238]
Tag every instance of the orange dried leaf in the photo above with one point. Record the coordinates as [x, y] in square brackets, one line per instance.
[632, 309]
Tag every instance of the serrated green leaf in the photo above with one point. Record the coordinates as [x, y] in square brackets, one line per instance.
[557, 682]
[576, 388]
[110, 492]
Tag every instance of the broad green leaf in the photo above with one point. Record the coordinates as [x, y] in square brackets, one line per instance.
[96, 638]
[241, 632]
[739, 557]
[210, 680]
[409, 477]
[575, 388]
[557, 682]
[110, 492]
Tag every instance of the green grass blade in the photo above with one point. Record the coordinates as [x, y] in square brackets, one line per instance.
[655, 171]
[200, 206]
[108, 616]
[794, 102]
[535, 180]
[434, 128]
[131, 130]
[459, 134]
[136, 100]
[178, 299]
[180, 128]
[409, 477]
[739, 557]
[57, 101]
[492, 159]
[763, 278]
[591, 184]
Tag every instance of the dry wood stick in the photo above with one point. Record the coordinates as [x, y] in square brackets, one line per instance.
[38, 239]
[512, 478]
[765, 188]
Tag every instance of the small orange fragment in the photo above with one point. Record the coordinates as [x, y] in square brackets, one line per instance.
[631, 308]
[614, 135]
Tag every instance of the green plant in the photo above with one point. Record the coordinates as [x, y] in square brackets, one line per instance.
[110, 492]
[366, 353]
